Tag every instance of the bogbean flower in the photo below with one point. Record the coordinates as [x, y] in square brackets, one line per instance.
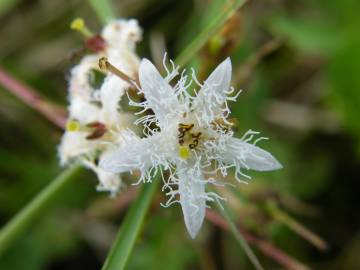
[193, 139]
[94, 114]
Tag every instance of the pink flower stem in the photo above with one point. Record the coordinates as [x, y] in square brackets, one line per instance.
[52, 112]
[262, 244]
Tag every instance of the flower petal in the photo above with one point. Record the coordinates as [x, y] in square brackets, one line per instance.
[83, 111]
[249, 156]
[111, 93]
[80, 80]
[73, 145]
[159, 94]
[192, 198]
[122, 34]
[108, 181]
[136, 153]
[81, 92]
[213, 94]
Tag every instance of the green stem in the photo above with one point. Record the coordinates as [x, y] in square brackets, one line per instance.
[296, 226]
[130, 228]
[226, 12]
[17, 225]
[103, 10]
[240, 239]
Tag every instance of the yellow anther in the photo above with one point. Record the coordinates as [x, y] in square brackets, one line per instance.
[184, 152]
[72, 126]
[78, 24]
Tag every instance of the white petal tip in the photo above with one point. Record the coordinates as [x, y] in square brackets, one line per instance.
[256, 158]
[146, 64]
[226, 66]
[274, 166]
[277, 165]
[193, 232]
[270, 164]
[193, 236]
[194, 221]
[227, 61]
[144, 61]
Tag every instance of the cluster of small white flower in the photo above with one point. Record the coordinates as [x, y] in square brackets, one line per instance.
[94, 116]
[187, 135]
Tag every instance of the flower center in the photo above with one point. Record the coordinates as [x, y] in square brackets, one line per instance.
[187, 139]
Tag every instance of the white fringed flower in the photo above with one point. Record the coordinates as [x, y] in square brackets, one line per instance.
[194, 140]
[94, 115]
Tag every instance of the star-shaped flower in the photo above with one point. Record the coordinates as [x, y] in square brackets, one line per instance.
[193, 139]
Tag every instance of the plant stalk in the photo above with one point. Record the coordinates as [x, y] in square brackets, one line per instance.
[130, 228]
[23, 219]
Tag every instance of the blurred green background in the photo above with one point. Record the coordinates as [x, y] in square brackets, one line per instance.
[298, 63]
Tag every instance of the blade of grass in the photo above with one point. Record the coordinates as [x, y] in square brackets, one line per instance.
[296, 226]
[225, 13]
[262, 244]
[17, 225]
[103, 10]
[239, 238]
[245, 71]
[130, 228]
[7, 5]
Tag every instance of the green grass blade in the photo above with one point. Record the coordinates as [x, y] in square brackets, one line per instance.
[225, 13]
[296, 226]
[17, 225]
[7, 5]
[103, 9]
[130, 228]
[240, 239]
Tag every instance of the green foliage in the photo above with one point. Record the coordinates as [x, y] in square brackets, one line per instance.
[331, 33]
[169, 242]
[130, 228]
[103, 10]
[7, 5]
[226, 11]
[35, 208]
[345, 82]
[309, 36]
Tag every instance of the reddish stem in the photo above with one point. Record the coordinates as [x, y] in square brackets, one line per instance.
[52, 112]
[265, 246]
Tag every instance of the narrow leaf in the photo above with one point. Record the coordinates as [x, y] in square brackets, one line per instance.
[24, 219]
[296, 226]
[225, 13]
[130, 228]
[103, 9]
[240, 239]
